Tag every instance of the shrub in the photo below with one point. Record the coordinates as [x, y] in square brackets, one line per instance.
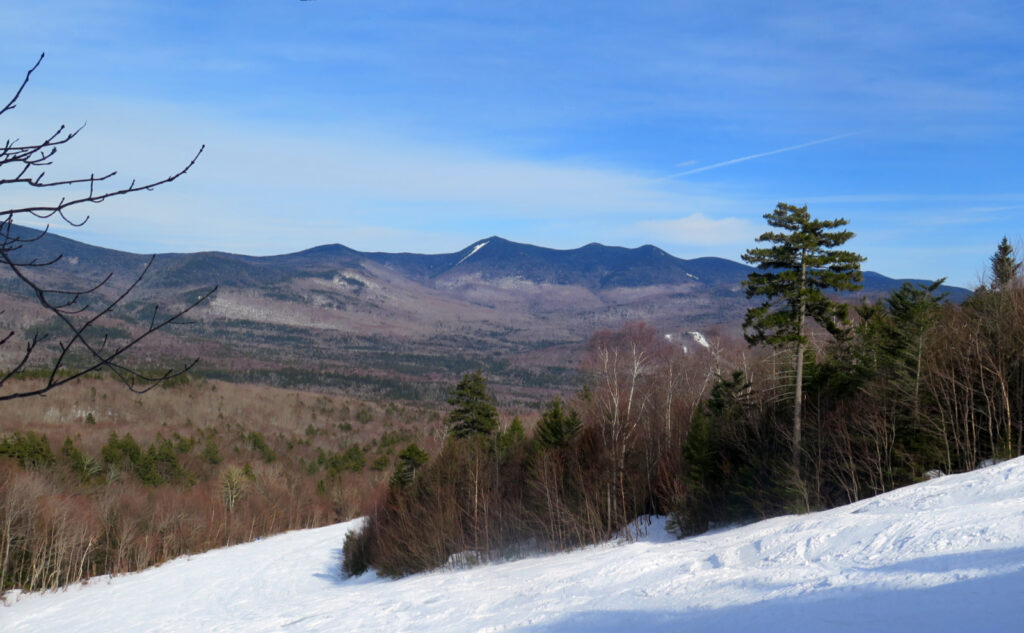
[356, 552]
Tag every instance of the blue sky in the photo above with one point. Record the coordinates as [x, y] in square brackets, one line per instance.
[422, 126]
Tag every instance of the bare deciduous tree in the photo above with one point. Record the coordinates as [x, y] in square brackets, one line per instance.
[81, 310]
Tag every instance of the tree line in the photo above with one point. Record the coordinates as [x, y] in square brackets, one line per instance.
[831, 402]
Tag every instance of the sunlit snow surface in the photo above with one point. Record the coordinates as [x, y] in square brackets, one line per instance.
[946, 555]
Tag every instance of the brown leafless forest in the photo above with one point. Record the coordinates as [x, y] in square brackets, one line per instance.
[97, 480]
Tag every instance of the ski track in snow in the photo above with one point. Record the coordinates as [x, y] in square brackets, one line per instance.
[946, 555]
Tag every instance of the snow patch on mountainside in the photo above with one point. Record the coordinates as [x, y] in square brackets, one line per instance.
[699, 339]
[472, 252]
[945, 555]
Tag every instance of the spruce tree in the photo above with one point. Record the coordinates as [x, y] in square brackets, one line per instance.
[473, 411]
[1004, 264]
[913, 309]
[557, 425]
[410, 460]
[793, 273]
[511, 437]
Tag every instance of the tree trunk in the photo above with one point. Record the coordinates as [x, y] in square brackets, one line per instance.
[798, 399]
[798, 396]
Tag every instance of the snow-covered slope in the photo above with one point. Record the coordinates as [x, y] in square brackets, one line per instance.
[947, 555]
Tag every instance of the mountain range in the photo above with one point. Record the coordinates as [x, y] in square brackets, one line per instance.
[406, 324]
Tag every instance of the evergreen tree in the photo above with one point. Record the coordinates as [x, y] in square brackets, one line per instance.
[1004, 265]
[915, 309]
[511, 437]
[75, 456]
[557, 425]
[29, 450]
[891, 346]
[123, 452]
[211, 452]
[353, 460]
[410, 460]
[473, 411]
[704, 454]
[792, 275]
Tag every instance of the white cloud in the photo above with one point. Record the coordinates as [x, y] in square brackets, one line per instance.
[265, 190]
[698, 229]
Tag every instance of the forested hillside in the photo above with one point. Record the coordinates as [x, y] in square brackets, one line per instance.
[914, 387]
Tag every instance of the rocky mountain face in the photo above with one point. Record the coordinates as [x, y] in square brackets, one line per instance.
[402, 324]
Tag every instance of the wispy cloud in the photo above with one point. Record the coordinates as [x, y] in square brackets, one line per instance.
[342, 185]
[761, 155]
[698, 229]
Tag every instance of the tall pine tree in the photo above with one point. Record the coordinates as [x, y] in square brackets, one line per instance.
[794, 272]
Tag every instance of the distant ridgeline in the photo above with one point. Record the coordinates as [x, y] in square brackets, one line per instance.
[402, 324]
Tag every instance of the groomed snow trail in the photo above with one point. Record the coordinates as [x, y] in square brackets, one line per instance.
[946, 555]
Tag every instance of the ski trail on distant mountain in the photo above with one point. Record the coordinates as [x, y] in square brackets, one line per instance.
[472, 252]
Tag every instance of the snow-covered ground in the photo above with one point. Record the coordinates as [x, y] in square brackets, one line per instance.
[947, 555]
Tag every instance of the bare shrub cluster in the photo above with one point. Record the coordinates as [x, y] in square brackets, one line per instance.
[51, 536]
[95, 480]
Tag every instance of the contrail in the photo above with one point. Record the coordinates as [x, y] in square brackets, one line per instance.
[761, 155]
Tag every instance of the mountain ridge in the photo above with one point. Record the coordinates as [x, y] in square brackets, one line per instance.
[606, 266]
[404, 324]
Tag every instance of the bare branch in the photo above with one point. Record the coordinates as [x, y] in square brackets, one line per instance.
[78, 311]
[24, 82]
[48, 211]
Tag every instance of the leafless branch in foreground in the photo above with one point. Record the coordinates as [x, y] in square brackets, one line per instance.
[81, 313]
